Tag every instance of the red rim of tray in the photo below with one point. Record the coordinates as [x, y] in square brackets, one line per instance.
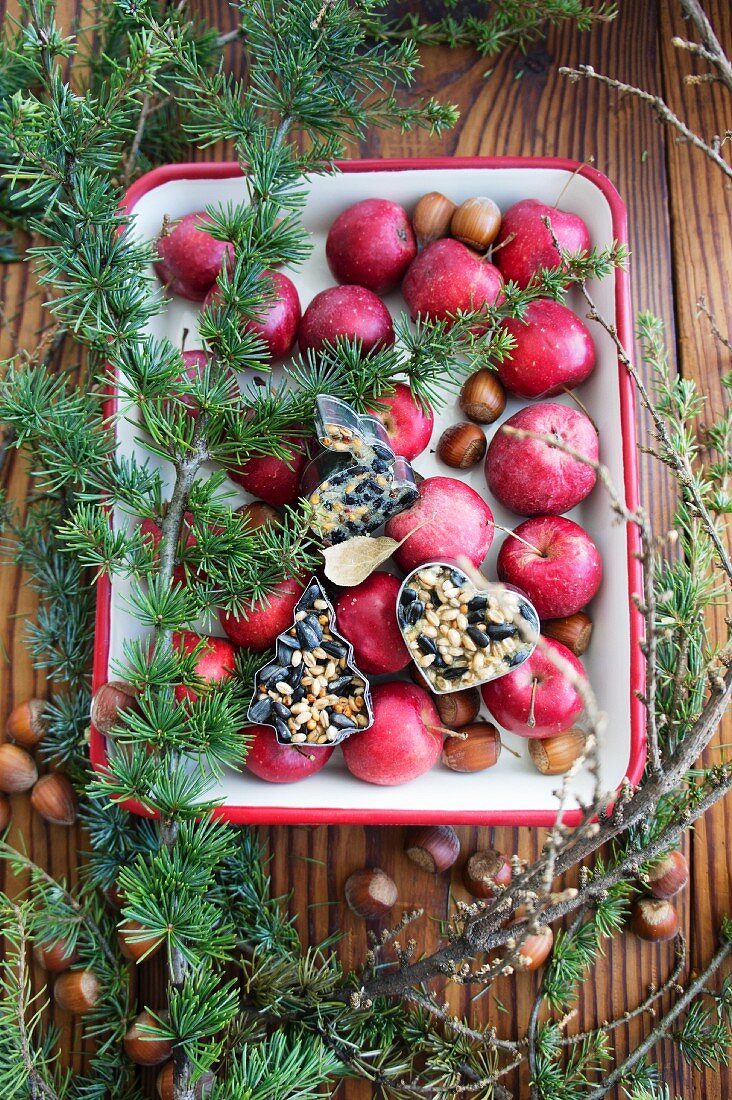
[315, 815]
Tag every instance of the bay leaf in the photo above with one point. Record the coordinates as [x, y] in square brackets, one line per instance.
[349, 563]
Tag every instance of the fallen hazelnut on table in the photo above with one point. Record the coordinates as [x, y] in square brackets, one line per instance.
[478, 747]
[164, 1084]
[482, 397]
[18, 771]
[26, 724]
[433, 847]
[143, 1048]
[668, 875]
[536, 947]
[54, 799]
[574, 631]
[370, 893]
[654, 919]
[556, 755]
[134, 944]
[77, 991]
[55, 957]
[486, 869]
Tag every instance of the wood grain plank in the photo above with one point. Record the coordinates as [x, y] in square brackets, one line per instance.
[701, 229]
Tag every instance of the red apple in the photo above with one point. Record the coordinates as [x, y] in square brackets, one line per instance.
[189, 259]
[268, 759]
[272, 479]
[152, 534]
[195, 362]
[214, 664]
[266, 619]
[449, 520]
[533, 478]
[554, 351]
[404, 741]
[279, 319]
[531, 246]
[536, 699]
[561, 575]
[408, 424]
[351, 312]
[367, 618]
[371, 244]
[448, 277]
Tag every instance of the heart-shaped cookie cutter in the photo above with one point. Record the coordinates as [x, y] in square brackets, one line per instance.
[460, 635]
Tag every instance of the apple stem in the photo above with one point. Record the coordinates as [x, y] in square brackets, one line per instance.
[531, 721]
[498, 247]
[183, 339]
[508, 531]
[575, 398]
[307, 755]
[576, 172]
[513, 752]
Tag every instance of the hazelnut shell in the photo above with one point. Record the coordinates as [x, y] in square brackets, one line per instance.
[54, 799]
[478, 747]
[76, 991]
[434, 848]
[574, 631]
[482, 397]
[18, 771]
[26, 724]
[486, 869]
[370, 893]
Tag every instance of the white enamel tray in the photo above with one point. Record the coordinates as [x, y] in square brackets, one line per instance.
[513, 792]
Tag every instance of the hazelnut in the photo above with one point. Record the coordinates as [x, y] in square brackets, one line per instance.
[26, 723]
[536, 947]
[55, 957]
[54, 799]
[136, 942]
[164, 1084]
[482, 397]
[574, 631]
[5, 813]
[556, 755]
[486, 869]
[370, 893]
[258, 514]
[18, 771]
[461, 446]
[432, 847]
[476, 222]
[144, 1048]
[477, 748]
[77, 991]
[668, 875]
[654, 919]
[458, 707]
[110, 702]
[431, 218]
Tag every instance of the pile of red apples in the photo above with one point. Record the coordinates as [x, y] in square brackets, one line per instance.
[446, 258]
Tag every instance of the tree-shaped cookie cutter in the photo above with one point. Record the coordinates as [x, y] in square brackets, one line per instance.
[312, 693]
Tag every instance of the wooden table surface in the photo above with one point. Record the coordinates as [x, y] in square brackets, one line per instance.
[681, 241]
